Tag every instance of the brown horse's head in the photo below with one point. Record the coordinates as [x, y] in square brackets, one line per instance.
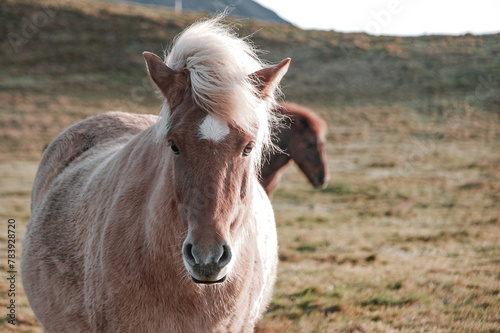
[306, 143]
[215, 125]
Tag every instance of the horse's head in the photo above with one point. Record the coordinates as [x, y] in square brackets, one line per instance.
[213, 163]
[307, 144]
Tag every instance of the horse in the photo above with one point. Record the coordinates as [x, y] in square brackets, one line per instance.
[302, 139]
[159, 224]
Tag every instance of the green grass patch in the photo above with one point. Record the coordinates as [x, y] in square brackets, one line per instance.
[338, 189]
[312, 247]
[388, 300]
[395, 286]
[471, 186]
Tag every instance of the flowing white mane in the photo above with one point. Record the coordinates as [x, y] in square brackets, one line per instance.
[219, 64]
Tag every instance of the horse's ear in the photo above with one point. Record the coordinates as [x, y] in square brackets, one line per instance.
[267, 79]
[171, 84]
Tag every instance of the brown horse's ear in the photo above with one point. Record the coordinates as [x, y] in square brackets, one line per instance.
[171, 84]
[267, 79]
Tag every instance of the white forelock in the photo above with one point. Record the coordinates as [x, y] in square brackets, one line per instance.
[219, 66]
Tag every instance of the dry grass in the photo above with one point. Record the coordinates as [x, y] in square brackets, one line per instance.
[404, 239]
[380, 252]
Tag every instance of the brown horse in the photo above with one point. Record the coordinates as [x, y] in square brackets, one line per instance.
[302, 140]
[159, 224]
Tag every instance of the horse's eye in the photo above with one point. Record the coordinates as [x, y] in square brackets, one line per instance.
[248, 149]
[311, 145]
[174, 147]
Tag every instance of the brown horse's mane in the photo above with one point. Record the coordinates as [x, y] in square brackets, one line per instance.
[293, 110]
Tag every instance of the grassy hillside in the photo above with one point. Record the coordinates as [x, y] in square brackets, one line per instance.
[94, 38]
[406, 236]
[63, 53]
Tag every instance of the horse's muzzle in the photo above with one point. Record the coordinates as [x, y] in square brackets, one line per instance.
[319, 180]
[206, 266]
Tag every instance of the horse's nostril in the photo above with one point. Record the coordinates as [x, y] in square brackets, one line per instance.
[225, 257]
[187, 251]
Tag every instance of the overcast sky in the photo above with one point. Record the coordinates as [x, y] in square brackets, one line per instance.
[391, 17]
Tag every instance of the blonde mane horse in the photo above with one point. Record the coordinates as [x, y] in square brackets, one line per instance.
[159, 224]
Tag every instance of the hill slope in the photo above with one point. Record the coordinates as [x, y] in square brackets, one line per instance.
[240, 8]
[93, 37]
[56, 55]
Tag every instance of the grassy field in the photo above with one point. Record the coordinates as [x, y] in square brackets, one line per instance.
[406, 238]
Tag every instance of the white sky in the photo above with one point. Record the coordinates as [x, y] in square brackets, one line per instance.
[391, 17]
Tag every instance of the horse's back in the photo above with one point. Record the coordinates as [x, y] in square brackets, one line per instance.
[77, 141]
